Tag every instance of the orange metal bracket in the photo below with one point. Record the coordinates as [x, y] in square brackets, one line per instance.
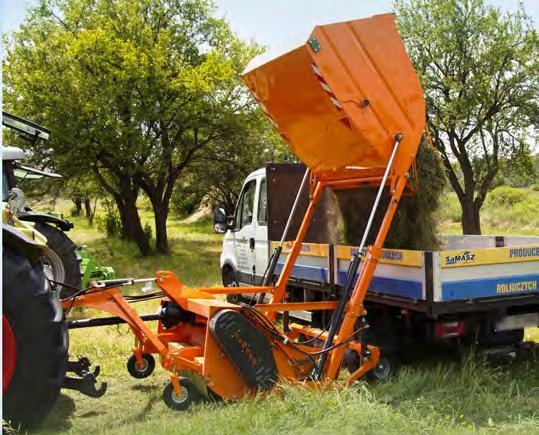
[280, 288]
[112, 301]
[355, 307]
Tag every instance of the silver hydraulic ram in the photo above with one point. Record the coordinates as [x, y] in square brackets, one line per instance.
[336, 319]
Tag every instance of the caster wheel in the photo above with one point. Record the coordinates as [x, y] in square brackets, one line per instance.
[141, 371]
[181, 402]
[383, 370]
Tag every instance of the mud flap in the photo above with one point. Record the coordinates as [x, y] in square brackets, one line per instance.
[246, 347]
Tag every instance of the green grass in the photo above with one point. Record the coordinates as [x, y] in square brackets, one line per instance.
[506, 210]
[435, 396]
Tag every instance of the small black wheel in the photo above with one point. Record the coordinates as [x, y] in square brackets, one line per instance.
[230, 280]
[384, 369]
[189, 395]
[143, 370]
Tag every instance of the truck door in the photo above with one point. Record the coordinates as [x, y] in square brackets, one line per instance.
[244, 233]
[261, 232]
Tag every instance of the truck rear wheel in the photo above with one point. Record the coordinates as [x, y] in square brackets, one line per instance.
[34, 344]
[64, 259]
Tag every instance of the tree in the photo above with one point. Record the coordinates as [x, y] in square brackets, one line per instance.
[221, 174]
[134, 91]
[84, 191]
[479, 70]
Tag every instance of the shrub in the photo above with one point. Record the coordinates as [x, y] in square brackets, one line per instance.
[147, 231]
[110, 224]
[506, 196]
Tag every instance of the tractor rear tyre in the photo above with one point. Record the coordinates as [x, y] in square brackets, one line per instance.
[64, 260]
[35, 345]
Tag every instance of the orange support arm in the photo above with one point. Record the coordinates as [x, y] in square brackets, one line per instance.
[355, 307]
[280, 289]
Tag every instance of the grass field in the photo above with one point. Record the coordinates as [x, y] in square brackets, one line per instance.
[506, 210]
[434, 396]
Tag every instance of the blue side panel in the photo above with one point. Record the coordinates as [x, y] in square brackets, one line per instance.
[499, 286]
[312, 273]
[392, 286]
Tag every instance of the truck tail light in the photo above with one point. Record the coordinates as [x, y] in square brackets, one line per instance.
[448, 329]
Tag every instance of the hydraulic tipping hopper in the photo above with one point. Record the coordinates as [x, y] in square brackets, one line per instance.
[349, 104]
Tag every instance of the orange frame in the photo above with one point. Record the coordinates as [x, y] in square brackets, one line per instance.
[201, 302]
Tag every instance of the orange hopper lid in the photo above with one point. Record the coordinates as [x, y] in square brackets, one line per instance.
[340, 99]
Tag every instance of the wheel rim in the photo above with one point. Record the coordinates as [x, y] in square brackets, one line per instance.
[231, 278]
[382, 369]
[9, 353]
[53, 266]
[180, 399]
[141, 367]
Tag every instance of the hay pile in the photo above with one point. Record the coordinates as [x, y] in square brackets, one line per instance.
[414, 225]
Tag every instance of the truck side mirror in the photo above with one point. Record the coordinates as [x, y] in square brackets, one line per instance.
[219, 221]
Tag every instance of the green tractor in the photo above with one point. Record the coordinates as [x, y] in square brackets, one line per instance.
[65, 263]
[34, 331]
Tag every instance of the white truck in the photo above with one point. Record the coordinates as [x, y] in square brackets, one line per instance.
[476, 290]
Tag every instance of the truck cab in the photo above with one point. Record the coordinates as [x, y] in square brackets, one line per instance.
[244, 256]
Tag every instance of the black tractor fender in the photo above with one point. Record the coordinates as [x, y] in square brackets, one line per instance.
[21, 243]
[30, 216]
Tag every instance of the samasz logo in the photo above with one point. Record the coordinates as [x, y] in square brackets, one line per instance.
[465, 257]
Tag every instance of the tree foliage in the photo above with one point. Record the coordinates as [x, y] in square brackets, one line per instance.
[220, 175]
[479, 69]
[134, 91]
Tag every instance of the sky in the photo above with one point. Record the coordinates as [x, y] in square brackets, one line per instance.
[276, 24]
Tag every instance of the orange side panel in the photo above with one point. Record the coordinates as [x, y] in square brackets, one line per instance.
[220, 374]
[340, 99]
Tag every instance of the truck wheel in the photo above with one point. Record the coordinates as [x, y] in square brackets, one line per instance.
[503, 338]
[64, 261]
[34, 341]
[230, 280]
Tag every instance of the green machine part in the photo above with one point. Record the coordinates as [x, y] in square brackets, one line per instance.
[92, 271]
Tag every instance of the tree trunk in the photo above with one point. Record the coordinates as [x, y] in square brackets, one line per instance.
[161, 237]
[78, 206]
[92, 214]
[471, 222]
[88, 208]
[125, 195]
[131, 225]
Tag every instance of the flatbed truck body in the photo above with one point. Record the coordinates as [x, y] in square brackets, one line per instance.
[477, 289]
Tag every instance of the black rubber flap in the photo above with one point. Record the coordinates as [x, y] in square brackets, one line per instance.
[246, 347]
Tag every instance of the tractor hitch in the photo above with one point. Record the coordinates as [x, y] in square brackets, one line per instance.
[87, 380]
